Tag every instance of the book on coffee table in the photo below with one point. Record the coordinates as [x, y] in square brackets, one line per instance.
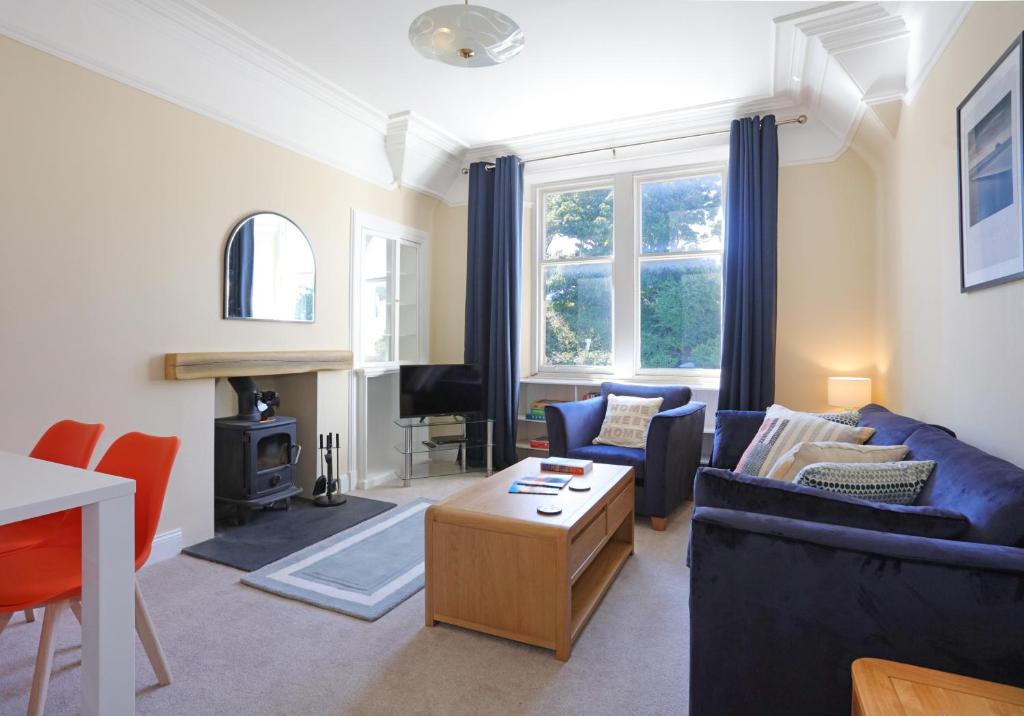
[567, 465]
[516, 488]
[544, 481]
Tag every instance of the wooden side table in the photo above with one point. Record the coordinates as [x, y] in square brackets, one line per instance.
[888, 688]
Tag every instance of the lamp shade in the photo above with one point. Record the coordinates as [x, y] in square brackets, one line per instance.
[846, 392]
[466, 35]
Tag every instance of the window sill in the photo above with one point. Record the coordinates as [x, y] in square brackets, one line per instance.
[702, 383]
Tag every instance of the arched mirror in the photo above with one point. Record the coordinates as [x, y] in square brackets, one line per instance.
[269, 271]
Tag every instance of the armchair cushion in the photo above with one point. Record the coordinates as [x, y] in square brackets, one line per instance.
[614, 455]
[733, 491]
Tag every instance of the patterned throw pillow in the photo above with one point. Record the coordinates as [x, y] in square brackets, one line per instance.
[897, 483]
[851, 418]
[626, 420]
[804, 454]
[783, 429]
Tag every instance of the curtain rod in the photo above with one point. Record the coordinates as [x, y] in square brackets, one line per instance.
[802, 119]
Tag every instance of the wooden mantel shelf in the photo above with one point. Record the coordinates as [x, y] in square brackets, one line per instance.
[191, 366]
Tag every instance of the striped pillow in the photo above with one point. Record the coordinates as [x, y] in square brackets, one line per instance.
[783, 429]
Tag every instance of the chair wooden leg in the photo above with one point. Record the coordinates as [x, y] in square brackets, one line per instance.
[147, 634]
[4, 618]
[44, 658]
[30, 615]
[76, 609]
[659, 524]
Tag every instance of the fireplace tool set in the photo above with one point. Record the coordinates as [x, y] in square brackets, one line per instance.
[326, 490]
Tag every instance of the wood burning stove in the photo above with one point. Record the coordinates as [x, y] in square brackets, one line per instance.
[254, 459]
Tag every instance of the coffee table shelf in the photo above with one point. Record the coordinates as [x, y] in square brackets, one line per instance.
[595, 581]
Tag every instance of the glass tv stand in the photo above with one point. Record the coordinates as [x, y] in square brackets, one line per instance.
[471, 434]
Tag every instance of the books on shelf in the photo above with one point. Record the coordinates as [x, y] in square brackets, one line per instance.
[567, 465]
[591, 394]
[516, 488]
[536, 409]
[541, 443]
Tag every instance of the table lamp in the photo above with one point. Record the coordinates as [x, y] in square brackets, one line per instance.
[846, 392]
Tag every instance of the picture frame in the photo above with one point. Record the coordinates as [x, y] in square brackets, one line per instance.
[990, 138]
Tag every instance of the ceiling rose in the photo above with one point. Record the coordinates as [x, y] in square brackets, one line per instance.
[466, 35]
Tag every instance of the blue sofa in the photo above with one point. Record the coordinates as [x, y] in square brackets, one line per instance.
[663, 472]
[788, 585]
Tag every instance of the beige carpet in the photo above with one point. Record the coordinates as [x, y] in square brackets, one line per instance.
[236, 650]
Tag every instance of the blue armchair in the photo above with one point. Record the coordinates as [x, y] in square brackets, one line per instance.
[664, 470]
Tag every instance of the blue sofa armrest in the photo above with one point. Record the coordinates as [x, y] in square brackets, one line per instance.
[780, 609]
[572, 425]
[674, 442]
[734, 491]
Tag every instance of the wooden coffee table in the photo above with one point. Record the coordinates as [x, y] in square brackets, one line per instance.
[494, 564]
[888, 688]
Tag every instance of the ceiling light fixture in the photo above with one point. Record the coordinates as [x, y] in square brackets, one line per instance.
[466, 36]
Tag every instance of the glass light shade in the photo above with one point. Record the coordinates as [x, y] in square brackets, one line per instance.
[466, 36]
[844, 392]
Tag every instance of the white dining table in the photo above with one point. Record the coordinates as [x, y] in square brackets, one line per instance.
[30, 488]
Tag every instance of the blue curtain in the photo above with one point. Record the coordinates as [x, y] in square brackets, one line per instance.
[750, 271]
[240, 261]
[493, 271]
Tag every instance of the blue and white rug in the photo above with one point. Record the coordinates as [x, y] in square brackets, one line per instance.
[365, 571]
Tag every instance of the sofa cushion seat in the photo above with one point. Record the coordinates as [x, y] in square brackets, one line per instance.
[988, 490]
[613, 455]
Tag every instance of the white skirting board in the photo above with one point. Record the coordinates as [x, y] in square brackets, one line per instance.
[165, 545]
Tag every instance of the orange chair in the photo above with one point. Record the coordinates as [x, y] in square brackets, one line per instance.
[69, 443]
[50, 573]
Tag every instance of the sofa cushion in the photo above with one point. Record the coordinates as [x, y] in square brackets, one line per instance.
[890, 428]
[783, 429]
[733, 491]
[988, 490]
[809, 453]
[734, 429]
[673, 396]
[898, 483]
[614, 455]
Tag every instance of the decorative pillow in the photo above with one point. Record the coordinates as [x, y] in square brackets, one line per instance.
[626, 420]
[851, 418]
[783, 429]
[804, 454]
[896, 483]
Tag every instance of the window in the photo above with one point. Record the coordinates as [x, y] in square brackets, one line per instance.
[680, 260]
[645, 299]
[576, 277]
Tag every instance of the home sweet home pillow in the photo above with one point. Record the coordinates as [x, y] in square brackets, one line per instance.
[783, 429]
[626, 420]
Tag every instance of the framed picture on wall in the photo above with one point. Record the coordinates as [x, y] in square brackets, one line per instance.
[989, 145]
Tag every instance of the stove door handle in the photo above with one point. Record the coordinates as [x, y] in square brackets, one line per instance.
[297, 449]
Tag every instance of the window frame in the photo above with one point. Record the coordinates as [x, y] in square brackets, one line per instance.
[640, 178]
[540, 314]
[626, 245]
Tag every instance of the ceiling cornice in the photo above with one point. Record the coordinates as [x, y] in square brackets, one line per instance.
[829, 62]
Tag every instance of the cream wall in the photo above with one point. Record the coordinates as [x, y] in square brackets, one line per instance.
[826, 302]
[116, 208]
[944, 356]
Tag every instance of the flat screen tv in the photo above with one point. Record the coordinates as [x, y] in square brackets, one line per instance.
[452, 389]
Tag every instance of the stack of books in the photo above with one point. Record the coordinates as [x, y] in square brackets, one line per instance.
[540, 443]
[567, 465]
[536, 409]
